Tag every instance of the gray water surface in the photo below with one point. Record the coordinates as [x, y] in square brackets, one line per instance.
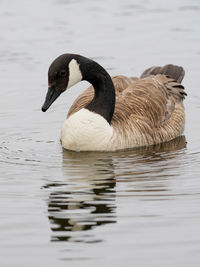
[139, 207]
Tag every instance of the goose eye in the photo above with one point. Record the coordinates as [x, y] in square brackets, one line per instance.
[63, 73]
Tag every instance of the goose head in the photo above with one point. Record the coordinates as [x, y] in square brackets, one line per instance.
[63, 73]
[69, 69]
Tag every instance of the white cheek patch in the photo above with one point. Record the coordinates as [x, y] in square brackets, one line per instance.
[75, 75]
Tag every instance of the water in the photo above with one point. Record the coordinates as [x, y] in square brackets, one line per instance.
[134, 208]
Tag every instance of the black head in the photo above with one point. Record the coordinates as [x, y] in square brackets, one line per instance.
[63, 73]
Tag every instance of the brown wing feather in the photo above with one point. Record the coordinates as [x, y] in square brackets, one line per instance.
[120, 83]
[152, 105]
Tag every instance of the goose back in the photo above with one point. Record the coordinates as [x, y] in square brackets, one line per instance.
[148, 110]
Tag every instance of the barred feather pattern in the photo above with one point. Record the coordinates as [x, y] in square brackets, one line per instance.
[148, 110]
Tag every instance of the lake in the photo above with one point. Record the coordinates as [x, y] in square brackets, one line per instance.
[139, 207]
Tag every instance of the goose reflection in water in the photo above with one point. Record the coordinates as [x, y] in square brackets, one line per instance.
[86, 199]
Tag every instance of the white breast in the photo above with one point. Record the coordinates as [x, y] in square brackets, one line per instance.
[86, 131]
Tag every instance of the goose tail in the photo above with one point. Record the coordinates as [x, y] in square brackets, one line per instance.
[175, 72]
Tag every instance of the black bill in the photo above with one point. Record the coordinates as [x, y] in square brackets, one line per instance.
[51, 96]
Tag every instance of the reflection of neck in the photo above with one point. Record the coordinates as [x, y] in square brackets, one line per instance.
[95, 206]
[103, 102]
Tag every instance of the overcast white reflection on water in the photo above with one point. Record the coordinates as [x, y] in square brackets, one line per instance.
[138, 207]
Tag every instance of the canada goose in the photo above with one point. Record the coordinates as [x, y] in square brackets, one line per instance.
[119, 112]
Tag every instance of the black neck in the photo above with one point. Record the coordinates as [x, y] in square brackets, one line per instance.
[103, 102]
